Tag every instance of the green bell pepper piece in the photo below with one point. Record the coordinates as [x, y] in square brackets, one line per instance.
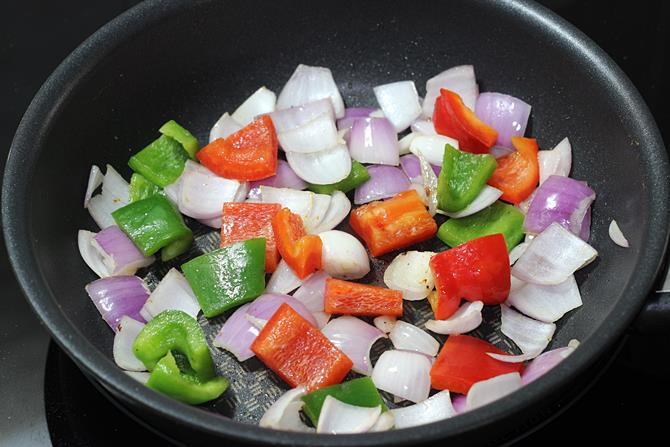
[361, 392]
[227, 277]
[462, 178]
[176, 248]
[174, 329]
[162, 162]
[141, 188]
[497, 218]
[152, 223]
[188, 141]
[357, 176]
[167, 378]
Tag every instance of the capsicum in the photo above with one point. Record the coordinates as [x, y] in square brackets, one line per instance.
[227, 277]
[477, 270]
[350, 298]
[462, 178]
[463, 361]
[248, 154]
[161, 162]
[452, 118]
[518, 173]
[153, 223]
[497, 218]
[394, 223]
[184, 137]
[174, 330]
[141, 188]
[298, 352]
[358, 175]
[302, 252]
[360, 392]
[243, 221]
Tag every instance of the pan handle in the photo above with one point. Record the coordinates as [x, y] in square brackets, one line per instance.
[654, 318]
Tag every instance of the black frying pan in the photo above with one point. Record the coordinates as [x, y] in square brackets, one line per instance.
[193, 60]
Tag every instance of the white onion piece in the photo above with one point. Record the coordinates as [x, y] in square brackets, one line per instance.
[316, 135]
[400, 103]
[262, 101]
[173, 292]
[299, 202]
[283, 280]
[355, 338]
[339, 208]
[284, 413]
[467, 318]
[408, 337]
[343, 256]
[115, 194]
[321, 168]
[118, 252]
[546, 303]
[287, 119]
[311, 294]
[385, 422]
[405, 142]
[484, 199]
[93, 255]
[617, 235]
[410, 273]
[203, 193]
[430, 182]
[553, 256]
[517, 251]
[213, 223]
[308, 84]
[404, 374]
[95, 178]
[374, 140]
[337, 417]
[122, 349]
[237, 334]
[431, 147]
[531, 336]
[436, 408]
[142, 377]
[543, 363]
[320, 206]
[423, 126]
[487, 391]
[224, 127]
[557, 161]
[460, 79]
[384, 323]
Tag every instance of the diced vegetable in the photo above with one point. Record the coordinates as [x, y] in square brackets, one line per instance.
[506, 114]
[227, 277]
[360, 392]
[517, 174]
[357, 176]
[184, 137]
[162, 162]
[344, 297]
[302, 252]
[117, 296]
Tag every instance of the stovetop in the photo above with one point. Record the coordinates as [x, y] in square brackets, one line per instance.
[45, 400]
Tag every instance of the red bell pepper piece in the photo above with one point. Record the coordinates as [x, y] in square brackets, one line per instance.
[518, 173]
[477, 270]
[350, 298]
[243, 221]
[298, 352]
[248, 154]
[394, 223]
[302, 252]
[463, 361]
[453, 119]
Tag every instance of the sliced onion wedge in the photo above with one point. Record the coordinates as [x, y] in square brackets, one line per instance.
[404, 374]
[294, 117]
[384, 323]
[385, 422]
[430, 182]
[400, 103]
[487, 391]
[224, 127]
[339, 208]
[284, 414]
[543, 363]
[410, 273]
[311, 294]
[203, 193]
[384, 182]
[343, 255]
[617, 235]
[374, 140]
[173, 292]
[237, 334]
[431, 147]
[119, 252]
[265, 306]
[355, 338]
[408, 337]
[283, 279]
[424, 127]
[124, 338]
[337, 417]
[262, 101]
[117, 296]
[517, 251]
[557, 161]
[553, 256]
[115, 194]
[460, 79]
[95, 178]
[316, 135]
[484, 199]
[320, 206]
[140, 376]
[308, 84]
[467, 318]
[546, 303]
[436, 408]
[299, 202]
[531, 336]
[93, 255]
[324, 167]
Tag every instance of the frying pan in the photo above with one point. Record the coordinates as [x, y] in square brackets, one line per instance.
[193, 60]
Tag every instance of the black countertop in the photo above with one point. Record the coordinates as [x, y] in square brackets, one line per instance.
[37, 35]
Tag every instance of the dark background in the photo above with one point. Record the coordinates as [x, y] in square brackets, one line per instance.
[35, 37]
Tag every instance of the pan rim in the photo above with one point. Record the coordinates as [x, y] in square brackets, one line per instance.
[103, 41]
